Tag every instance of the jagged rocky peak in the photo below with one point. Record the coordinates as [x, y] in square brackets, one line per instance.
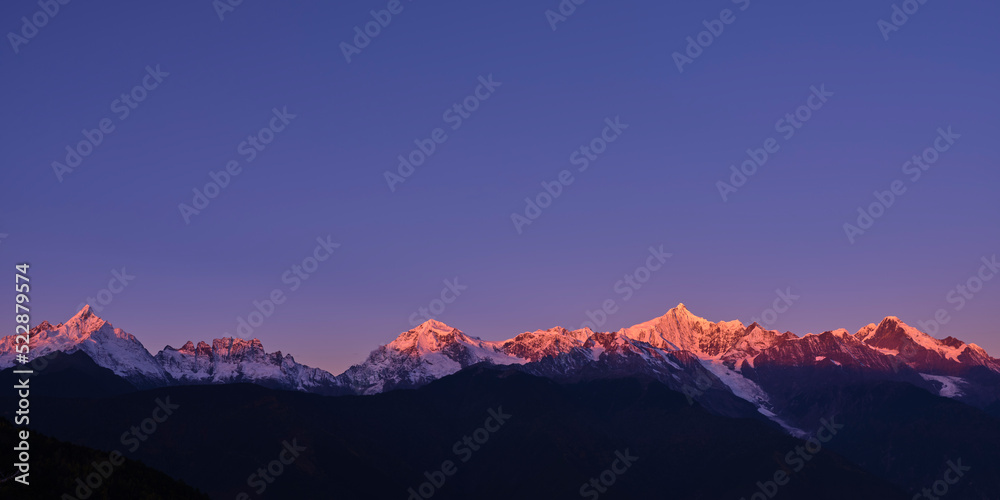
[679, 315]
[236, 360]
[110, 347]
[866, 331]
[890, 322]
[616, 347]
[895, 335]
[433, 325]
[608, 341]
[429, 336]
[679, 329]
[540, 344]
[922, 352]
[617, 341]
[952, 342]
[758, 331]
[434, 349]
[892, 333]
[226, 349]
[581, 334]
[436, 328]
[233, 347]
[80, 328]
[201, 350]
[839, 332]
[86, 316]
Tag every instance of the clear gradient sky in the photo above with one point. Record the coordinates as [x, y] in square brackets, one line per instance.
[655, 185]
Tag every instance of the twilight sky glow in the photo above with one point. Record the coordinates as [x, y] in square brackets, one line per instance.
[655, 184]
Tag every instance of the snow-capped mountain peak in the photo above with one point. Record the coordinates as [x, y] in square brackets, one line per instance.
[428, 337]
[673, 348]
[754, 340]
[202, 349]
[110, 347]
[892, 334]
[232, 360]
[679, 329]
[539, 344]
[427, 352]
[866, 331]
[949, 356]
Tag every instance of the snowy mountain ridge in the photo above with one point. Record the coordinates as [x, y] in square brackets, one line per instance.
[234, 360]
[671, 348]
[109, 347]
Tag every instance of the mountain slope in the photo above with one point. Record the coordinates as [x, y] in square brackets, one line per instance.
[68, 375]
[679, 330]
[556, 438]
[705, 360]
[230, 360]
[56, 466]
[108, 346]
[418, 356]
[924, 353]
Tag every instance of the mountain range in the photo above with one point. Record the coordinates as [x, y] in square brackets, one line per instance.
[718, 407]
[728, 367]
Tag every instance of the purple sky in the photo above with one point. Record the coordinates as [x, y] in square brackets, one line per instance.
[656, 183]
